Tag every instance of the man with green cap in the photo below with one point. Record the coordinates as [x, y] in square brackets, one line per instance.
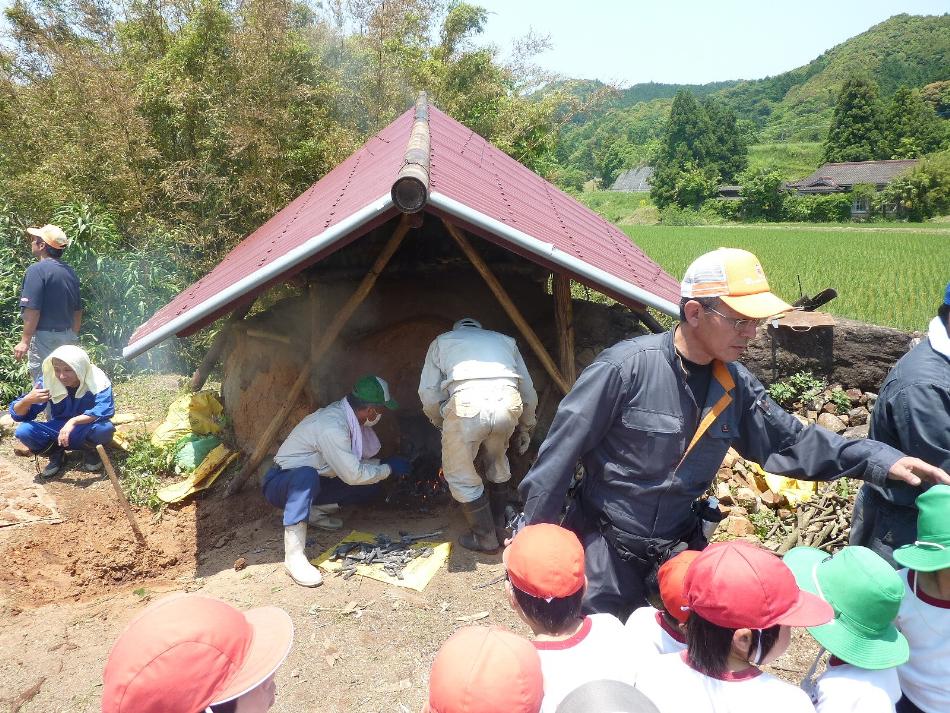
[865, 646]
[323, 459]
[924, 616]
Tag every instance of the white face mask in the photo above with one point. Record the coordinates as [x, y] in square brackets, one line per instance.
[374, 421]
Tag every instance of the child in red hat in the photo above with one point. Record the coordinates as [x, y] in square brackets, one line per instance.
[661, 627]
[485, 669]
[742, 602]
[546, 584]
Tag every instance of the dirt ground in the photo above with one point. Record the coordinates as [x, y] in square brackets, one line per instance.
[67, 589]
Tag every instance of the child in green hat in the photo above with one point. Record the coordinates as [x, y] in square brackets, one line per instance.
[865, 646]
[924, 616]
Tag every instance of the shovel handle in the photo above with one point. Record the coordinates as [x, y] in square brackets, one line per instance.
[123, 501]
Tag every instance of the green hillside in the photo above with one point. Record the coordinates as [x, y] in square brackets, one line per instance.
[785, 114]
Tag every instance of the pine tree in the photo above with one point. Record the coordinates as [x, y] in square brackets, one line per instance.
[687, 141]
[857, 125]
[912, 127]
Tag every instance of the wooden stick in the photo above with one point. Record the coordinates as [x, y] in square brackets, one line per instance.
[123, 501]
[317, 353]
[513, 312]
[211, 357]
[564, 323]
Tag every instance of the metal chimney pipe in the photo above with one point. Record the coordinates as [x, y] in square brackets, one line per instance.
[410, 191]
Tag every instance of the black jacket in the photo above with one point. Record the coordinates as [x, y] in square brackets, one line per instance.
[626, 420]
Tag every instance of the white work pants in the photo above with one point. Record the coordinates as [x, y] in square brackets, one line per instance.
[478, 417]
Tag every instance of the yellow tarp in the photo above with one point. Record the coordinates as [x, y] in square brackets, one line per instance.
[417, 574]
[201, 477]
[191, 413]
[794, 491]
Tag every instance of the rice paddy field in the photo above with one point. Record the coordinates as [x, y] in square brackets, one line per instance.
[890, 276]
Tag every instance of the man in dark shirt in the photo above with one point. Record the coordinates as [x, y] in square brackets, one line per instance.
[50, 303]
[912, 413]
[651, 420]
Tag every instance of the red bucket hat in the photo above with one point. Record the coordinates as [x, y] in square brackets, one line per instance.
[186, 653]
[482, 669]
[545, 561]
[740, 585]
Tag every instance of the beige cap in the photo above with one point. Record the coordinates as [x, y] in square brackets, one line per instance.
[52, 235]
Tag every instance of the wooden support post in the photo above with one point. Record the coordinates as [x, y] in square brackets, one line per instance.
[214, 353]
[318, 350]
[564, 323]
[513, 312]
[123, 501]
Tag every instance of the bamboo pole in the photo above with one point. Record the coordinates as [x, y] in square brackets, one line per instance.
[564, 323]
[214, 352]
[512, 311]
[123, 501]
[317, 353]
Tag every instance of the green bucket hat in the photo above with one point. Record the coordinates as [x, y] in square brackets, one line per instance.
[931, 551]
[865, 592]
[374, 390]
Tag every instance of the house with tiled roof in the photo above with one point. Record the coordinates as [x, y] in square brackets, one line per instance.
[843, 177]
[634, 180]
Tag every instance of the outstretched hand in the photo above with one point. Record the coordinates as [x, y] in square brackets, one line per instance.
[913, 471]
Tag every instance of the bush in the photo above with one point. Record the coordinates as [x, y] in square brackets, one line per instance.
[924, 192]
[725, 208]
[762, 194]
[832, 208]
[796, 389]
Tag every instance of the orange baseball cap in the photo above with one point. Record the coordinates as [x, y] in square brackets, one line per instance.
[671, 575]
[736, 277]
[52, 235]
[545, 561]
[482, 669]
[188, 652]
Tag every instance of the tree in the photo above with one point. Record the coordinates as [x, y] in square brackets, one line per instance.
[857, 125]
[728, 147]
[762, 194]
[923, 192]
[912, 126]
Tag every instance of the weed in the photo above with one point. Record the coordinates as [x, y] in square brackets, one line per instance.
[762, 520]
[841, 401]
[143, 470]
[798, 388]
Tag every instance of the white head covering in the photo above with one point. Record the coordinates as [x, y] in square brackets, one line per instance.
[91, 377]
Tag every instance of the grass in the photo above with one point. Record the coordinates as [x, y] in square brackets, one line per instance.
[792, 160]
[892, 277]
[620, 207]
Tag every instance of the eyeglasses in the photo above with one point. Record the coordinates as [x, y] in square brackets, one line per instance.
[739, 325]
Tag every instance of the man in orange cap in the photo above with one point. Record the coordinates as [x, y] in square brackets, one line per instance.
[49, 301]
[651, 420]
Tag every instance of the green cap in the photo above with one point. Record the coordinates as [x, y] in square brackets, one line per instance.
[931, 551]
[374, 390]
[866, 593]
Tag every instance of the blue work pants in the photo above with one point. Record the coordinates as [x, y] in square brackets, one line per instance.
[40, 435]
[296, 489]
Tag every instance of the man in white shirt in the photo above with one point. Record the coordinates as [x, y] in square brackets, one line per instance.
[546, 582]
[323, 458]
[476, 389]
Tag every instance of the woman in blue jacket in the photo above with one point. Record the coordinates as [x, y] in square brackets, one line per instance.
[77, 398]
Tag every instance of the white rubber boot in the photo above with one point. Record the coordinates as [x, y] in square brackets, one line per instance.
[320, 516]
[295, 561]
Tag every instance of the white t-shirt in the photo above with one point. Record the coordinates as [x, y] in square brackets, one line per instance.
[844, 688]
[925, 621]
[599, 650]
[676, 687]
[649, 634]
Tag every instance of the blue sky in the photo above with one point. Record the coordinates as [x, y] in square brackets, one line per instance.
[683, 41]
[687, 41]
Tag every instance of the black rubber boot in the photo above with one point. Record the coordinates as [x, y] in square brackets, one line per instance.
[498, 499]
[478, 515]
[57, 460]
[91, 462]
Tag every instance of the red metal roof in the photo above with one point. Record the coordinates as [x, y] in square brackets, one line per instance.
[464, 167]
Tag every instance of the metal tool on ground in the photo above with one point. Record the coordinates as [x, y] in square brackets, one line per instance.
[391, 555]
[123, 501]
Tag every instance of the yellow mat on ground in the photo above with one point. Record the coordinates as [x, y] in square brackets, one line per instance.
[417, 574]
[201, 477]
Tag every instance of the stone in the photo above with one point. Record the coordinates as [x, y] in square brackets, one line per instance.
[858, 416]
[854, 394]
[7, 423]
[857, 431]
[831, 422]
[801, 419]
[20, 448]
[739, 526]
[746, 498]
[729, 460]
[845, 419]
[829, 407]
[812, 416]
[723, 493]
[870, 400]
